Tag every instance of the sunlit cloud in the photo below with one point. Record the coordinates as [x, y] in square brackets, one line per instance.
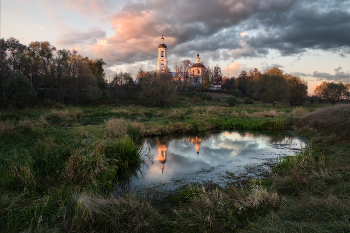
[243, 34]
[233, 69]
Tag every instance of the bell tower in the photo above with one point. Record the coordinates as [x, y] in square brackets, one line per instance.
[162, 63]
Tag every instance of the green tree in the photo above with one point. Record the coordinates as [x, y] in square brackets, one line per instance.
[270, 88]
[274, 71]
[96, 67]
[331, 91]
[19, 90]
[297, 90]
[228, 84]
[157, 89]
[123, 87]
[232, 101]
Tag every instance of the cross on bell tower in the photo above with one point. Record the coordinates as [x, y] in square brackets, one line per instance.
[162, 63]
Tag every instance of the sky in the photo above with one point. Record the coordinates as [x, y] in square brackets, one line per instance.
[306, 38]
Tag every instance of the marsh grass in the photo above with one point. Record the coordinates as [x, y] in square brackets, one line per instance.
[58, 179]
[307, 160]
[327, 122]
[122, 112]
[116, 127]
[270, 113]
[6, 127]
[119, 127]
[222, 210]
[94, 213]
[177, 114]
[299, 111]
[65, 114]
[300, 173]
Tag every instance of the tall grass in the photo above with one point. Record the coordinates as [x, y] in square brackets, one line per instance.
[6, 127]
[177, 114]
[95, 213]
[327, 122]
[223, 211]
[65, 114]
[300, 173]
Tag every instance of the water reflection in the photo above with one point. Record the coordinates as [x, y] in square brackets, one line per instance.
[162, 152]
[209, 156]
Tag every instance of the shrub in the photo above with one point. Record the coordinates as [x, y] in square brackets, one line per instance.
[197, 100]
[19, 90]
[247, 100]
[232, 101]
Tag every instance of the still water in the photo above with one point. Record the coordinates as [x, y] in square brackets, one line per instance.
[217, 157]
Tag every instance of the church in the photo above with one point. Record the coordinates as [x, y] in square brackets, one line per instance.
[194, 73]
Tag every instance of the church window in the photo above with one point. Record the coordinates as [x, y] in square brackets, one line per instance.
[162, 66]
[162, 54]
[198, 72]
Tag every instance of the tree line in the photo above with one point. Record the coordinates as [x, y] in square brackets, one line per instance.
[42, 72]
[39, 72]
[333, 92]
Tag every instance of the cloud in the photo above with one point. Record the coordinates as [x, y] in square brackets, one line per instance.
[76, 37]
[300, 74]
[234, 69]
[339, 76]
[243, 34]
[90, 9]
[219, 30]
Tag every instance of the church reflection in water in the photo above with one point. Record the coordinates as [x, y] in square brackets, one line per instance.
[197, 141]
[162, 152]
[163, 149]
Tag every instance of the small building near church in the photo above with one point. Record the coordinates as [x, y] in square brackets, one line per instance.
[197, 71]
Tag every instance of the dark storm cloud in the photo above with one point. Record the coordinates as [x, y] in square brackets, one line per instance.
[299, 74]
[339, 75]
[215, 28]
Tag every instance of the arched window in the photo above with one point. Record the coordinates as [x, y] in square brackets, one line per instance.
[162, 55]
[198, 72]
[162, 66]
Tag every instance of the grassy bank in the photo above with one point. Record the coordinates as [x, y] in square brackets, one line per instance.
[58, 169]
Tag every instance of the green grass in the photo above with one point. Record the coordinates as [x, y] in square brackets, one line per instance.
[58, 170]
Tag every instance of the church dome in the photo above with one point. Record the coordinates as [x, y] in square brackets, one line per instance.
[162, 46]
[198, 65]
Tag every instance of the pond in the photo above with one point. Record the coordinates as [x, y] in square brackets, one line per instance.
[219, 158]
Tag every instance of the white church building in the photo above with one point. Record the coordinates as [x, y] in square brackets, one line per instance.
[194, 74]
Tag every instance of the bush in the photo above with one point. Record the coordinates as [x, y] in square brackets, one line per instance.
[247, 100]
[19, 90]
[232, 101]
